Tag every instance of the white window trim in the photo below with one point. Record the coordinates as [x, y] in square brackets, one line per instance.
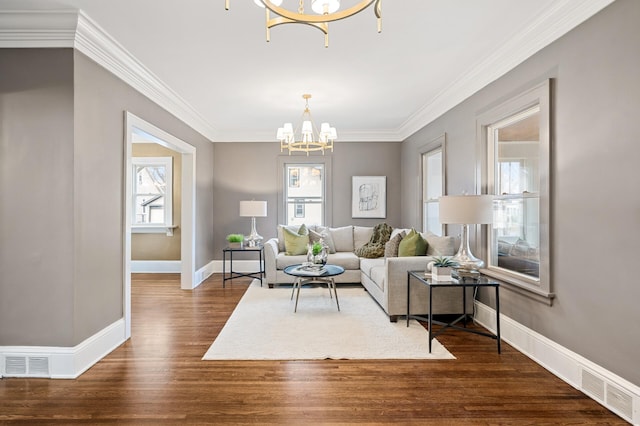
[538, 289]
[437, 144]
[167, 227]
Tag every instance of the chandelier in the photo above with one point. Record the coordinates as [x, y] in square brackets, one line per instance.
[308, 141]
[325, 11]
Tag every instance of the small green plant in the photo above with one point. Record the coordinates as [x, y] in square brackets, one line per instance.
[235, 238]
[444, 262]
[316, 248]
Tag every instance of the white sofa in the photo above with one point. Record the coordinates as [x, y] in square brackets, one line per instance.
[385, 278]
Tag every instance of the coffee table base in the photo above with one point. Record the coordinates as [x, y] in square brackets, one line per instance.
[299, 282]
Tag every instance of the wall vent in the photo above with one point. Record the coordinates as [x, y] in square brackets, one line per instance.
[26, 366]
[15, 366]
[620, 401]
[609, 394]
[593, 385]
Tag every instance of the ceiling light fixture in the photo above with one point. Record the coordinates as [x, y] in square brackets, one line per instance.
[326, 11]
[308, 131]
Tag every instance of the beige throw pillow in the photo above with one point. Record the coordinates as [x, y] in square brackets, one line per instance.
[391, 246]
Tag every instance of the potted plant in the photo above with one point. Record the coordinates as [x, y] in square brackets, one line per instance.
[441, 268]
[235, 240]
[317, 254]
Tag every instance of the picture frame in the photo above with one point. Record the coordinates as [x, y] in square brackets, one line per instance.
[369, 197]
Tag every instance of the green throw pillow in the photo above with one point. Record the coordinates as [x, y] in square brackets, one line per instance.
[294, 243]
[412, 245]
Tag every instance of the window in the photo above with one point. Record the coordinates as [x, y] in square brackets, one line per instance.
[432, 166]
[516, 144]
[152, 194]
[305, 199]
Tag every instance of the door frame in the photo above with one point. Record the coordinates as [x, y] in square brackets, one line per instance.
[136, 126]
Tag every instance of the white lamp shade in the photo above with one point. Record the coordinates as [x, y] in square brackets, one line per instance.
[288, 129]
[318, 6]
[466, 209]
[307, 127]
[253, 208]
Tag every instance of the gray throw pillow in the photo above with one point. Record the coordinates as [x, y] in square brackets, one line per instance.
[391, 246]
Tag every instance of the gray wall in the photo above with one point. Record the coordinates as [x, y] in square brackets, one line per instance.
[36, 202]
[595, 203]
[245, 171]
[62, 194]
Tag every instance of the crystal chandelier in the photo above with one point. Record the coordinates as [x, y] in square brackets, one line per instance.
[308, 141]
[325, 11]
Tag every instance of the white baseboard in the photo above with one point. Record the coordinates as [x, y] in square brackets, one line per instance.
[204, 273]
[612, 391]
[60, 362]
[156, 266]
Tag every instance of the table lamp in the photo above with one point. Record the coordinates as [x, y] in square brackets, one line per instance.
[253, 209]
[466, 210]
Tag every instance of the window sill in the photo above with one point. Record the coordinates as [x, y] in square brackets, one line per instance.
[520, 286]
[155, 229]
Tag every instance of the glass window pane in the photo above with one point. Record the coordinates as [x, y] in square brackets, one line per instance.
[515, 242]
[305, 194]
[432, 213]
[433, 175]
[518, 156]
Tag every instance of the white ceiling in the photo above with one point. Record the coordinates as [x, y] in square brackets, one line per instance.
[430, 55]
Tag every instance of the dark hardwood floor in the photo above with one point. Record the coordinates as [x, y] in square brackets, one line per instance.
[157, 377]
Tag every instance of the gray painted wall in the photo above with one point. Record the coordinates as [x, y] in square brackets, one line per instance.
[595, 202]
[36, 200]
[245, 171]
[62, 272]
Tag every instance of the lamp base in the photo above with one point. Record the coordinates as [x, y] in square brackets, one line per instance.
[464, 258]
[254, 239]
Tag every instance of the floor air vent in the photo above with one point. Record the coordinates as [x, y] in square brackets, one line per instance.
[26, 366]
[615, 398]
[15, 366]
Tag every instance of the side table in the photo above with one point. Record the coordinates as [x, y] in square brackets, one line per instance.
[463, 284]
[232, 274]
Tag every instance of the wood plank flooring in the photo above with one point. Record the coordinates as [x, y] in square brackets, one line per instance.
[157, 377]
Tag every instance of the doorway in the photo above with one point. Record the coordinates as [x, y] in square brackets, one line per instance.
[135, 128]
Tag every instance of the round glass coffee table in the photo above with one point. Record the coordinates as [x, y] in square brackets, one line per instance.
[305, 275]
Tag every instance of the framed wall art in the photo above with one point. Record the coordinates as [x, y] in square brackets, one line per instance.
[369, 197]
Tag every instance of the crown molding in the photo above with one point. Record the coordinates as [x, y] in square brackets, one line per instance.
[74, 29]
[559, 19]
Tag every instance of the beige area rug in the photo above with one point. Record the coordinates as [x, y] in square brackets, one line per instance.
[264, 327]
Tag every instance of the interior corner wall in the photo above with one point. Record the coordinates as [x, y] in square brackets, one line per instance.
[61, 200]
[245, 171]
[100, 102]
[595, 209]
[36, 200]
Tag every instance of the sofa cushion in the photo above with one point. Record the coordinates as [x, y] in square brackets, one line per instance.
[391, 247]
[346, 259]
[342, 238]
[361, 235]
[366, 265]
[412, 245]
[294, 243]
[439, 246]
[378, 274]
[282, 260]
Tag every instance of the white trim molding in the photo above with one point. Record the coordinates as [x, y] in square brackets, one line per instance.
[156, 266]
[612, 391]
[561, 17]
[73, 28]
[61, 362]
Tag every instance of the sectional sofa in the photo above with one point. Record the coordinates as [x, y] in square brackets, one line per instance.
[384, 278]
